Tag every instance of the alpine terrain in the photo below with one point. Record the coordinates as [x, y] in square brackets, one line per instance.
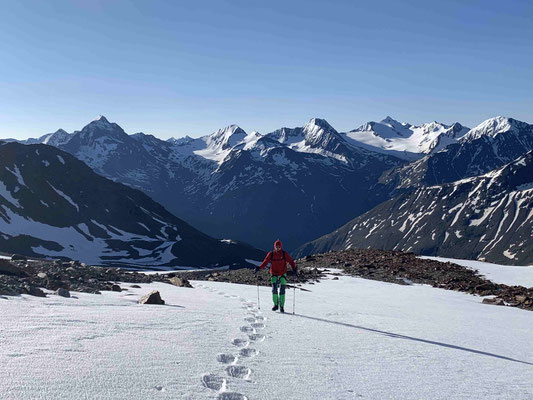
[53, 205]
[484, 217]
[296, 182]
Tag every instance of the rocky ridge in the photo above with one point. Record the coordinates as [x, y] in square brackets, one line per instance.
[21, 276]
[387, 266]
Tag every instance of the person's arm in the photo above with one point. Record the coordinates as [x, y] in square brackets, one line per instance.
[291, 262]
[265, 261]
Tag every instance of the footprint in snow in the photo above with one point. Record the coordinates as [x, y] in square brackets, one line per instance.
[240, 342]
[226, 358]
[250, 319]
[258, 325]
[248, 352]
[159, 388]
[231, 396]
[257, 337]
[247, 329]
[214, 382]
[238, 371]
[260, 318]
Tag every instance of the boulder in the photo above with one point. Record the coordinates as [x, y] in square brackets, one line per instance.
[41, 275]
[135, 286]
[521, 299]
[62, 292]
[8, 291]
[34, 291]
[152, 298]
[7, 268]
[116, 288]
[18, 257]
[181, 282]
[495, 301]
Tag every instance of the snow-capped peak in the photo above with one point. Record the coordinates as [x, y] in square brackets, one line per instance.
[316, 124]
[220, 143]
[57, 138]
[226, 137]
[101, 118]
[493, 127]
[316, 130]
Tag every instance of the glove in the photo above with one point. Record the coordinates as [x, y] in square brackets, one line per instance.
[256, 270]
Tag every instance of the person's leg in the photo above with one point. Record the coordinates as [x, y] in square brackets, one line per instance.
[274, 281]
[283, 283]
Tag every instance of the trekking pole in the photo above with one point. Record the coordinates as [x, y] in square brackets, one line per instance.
[258, 303]
[293, 298]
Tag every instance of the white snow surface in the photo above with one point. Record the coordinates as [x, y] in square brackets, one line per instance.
[350, 338]
[402, 139]
[497, 273]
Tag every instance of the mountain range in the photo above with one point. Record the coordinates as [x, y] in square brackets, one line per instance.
[53, 205]
[487, 217]
[296, 184]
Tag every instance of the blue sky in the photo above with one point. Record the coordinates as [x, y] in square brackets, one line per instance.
[173, 68]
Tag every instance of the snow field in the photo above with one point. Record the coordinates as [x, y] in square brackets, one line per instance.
[350, 338]
[507, 274]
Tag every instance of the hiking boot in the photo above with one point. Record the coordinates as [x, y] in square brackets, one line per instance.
[275, 308]
[281, 309]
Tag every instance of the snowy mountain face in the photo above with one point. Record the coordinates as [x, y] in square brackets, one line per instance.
[404, 140]
[490, 145]
[488, 216]
[53, 205]
[230, 182]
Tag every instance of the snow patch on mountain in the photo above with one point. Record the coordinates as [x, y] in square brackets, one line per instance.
[405, 140]
[492, 128]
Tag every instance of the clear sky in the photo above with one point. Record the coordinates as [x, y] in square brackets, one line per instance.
[173, 68]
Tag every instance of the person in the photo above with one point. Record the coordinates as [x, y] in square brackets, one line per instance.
[278, 270]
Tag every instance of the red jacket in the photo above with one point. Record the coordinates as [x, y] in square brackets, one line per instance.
[278, 265]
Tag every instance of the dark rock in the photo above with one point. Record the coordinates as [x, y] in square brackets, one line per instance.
[34, 291]
[62, 292]
[495, 301]
[135, 286]
[116, 288]
[181, 282]
[7, 268]
[152, 298]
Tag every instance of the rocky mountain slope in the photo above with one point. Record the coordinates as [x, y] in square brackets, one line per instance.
[295, 184]
[53, 205]
[487, 217]
[490, 145]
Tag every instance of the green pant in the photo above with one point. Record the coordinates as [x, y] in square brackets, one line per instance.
[280, 281]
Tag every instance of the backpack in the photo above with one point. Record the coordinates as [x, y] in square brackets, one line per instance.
[272, 255]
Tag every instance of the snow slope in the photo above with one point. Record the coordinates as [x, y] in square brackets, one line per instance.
[506, 274]
[350, 338]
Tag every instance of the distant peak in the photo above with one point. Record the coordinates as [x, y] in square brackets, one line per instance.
[493, 127]
[101, 118]
[319, 122]
[389, 119]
